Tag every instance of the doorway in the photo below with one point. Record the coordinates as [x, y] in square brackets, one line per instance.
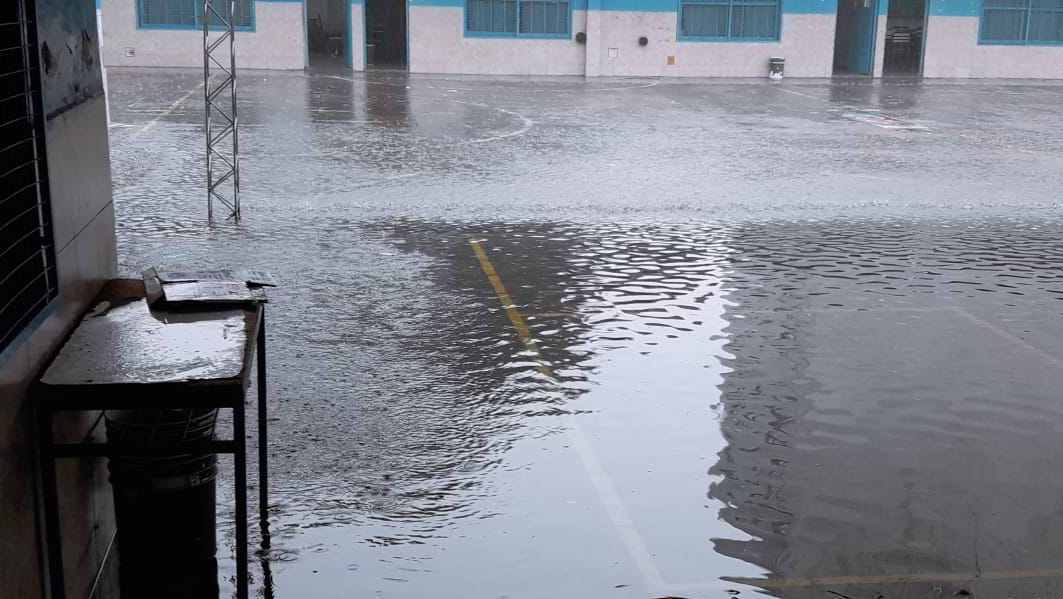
[905, 26]
[326, 31]
[854, 38]
[385, 33]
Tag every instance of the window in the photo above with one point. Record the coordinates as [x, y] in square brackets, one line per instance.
[1022, 22]
[184, 14]
[729, 19]
[27, 258]
[529, 18]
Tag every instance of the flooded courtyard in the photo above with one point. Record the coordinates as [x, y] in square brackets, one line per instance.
[635, 338]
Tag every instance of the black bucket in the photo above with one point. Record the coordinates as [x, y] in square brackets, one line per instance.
[165, 506]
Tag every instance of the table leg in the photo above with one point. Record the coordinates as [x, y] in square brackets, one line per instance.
[263, 428]
[50, 496]
[240, 474]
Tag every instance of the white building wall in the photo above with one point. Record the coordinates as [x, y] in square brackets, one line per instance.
[952, 50]
[438, 45]
[357, 26]
[880, 40]
[278, 41]
[807, 44]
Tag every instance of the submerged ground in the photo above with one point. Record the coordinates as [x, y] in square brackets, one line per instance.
[798, 338]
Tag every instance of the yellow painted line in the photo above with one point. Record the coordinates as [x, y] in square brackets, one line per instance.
[512, 312]
[790, 583]
[612, 503]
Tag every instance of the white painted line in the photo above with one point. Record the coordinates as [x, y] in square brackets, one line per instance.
[169, 110]
[797, 93]
[614, 507]
[882, 121]
[527, 123]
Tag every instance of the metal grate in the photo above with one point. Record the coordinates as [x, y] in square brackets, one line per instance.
[27, 254]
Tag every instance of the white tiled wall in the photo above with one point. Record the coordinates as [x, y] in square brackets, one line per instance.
[278, 41]
[952, 50]
[438, 45]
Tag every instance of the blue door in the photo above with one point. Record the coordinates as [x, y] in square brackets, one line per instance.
[855, 36]
[862, 43]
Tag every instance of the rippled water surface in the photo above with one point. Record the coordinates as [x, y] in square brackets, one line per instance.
[724, 338]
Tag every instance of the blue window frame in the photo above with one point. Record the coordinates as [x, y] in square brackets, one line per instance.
[1021, 22]
[518, 18]
[740, 20]
[185, 14]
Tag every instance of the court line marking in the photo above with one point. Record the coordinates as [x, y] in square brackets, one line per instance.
[1004, 333]
[526, 122]
[625, 525]
[607, 494]
[797, 93]
[167, 112]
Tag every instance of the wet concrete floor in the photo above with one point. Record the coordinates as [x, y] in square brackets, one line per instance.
[636, 338]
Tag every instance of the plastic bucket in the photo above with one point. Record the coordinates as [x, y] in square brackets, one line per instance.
[776, 67]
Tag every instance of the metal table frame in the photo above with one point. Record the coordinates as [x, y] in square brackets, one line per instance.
[222, 394]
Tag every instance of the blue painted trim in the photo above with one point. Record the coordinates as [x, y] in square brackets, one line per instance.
[727, 38]
[565, 35]
[522, 36]
[283, 1]
[640, 5]
[810, 7]
[199, 8]
[348, 48]
[955, 8]
[1018, 43]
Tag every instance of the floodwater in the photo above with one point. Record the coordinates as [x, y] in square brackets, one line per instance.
[636, 338]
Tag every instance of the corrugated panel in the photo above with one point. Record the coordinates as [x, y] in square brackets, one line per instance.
[27, 257]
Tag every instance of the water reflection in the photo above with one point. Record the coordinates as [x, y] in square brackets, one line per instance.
[763, 401]
[887, 412]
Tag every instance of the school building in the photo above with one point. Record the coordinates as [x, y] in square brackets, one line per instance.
[696, 38]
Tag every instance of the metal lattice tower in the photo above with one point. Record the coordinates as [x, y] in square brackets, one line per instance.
[219, 86]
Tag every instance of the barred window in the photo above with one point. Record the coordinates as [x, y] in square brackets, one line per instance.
[185, 14]
[1022, 22]
[27, 255]
[530, 18]
[729, 19]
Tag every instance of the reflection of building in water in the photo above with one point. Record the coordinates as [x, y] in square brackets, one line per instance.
[764, 392]
[877, 426]
[387, 100]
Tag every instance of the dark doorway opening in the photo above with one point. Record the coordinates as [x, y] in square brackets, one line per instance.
[854, 37]
[327, 32]
[905, 26]
[385, 33]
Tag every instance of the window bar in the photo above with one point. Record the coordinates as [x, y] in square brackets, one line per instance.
[35, 113]
[1029, 12]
